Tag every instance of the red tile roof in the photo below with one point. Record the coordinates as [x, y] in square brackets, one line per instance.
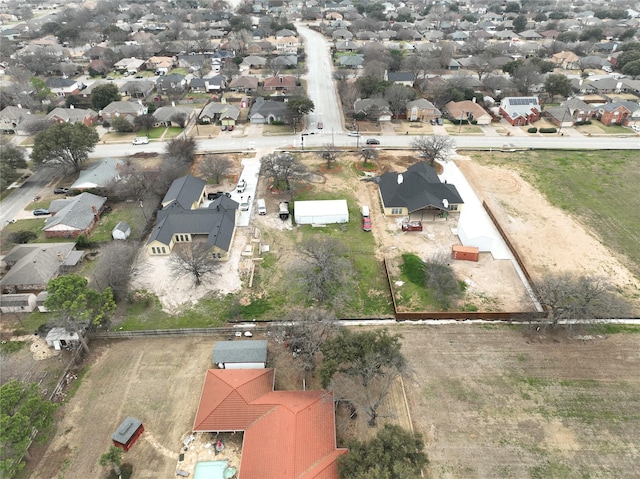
[288, 434]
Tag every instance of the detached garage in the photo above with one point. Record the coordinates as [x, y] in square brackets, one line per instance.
[321, 212]
[251, 354]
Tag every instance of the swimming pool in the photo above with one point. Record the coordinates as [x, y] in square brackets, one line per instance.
[213, 470]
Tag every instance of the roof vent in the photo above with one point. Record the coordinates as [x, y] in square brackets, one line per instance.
[400, 179]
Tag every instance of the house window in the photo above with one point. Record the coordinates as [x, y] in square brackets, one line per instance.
[396, 211]
[453, 207]
[153, 250]
[163, 250]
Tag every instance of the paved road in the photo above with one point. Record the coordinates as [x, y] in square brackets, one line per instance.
[15, 203]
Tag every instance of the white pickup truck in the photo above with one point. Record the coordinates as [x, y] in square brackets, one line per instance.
[242, 185]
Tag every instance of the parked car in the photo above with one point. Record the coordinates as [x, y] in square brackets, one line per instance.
[354, 133]
[439, 121]
[40, 212]
[241, 186]
[373, 141]
[140, 140]
[262, 206]
[366, 223]
[223, 127]
[230, 128]
[60, 191]
[432, 121]
[412, 226]
[320, 125]
[244, 206]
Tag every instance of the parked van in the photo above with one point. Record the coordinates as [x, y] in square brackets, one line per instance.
[262, 207]
[365, 211]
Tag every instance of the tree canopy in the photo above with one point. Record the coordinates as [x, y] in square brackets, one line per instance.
[71, 298]
[558, 85]
[434, 148]
[102, 95]
[284, 168]
[394, 452]
[22, 408]
[64, 145]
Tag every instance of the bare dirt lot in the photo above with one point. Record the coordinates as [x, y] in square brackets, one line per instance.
[492, 404]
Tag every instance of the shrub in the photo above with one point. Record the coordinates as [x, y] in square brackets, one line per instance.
[22, 237]
[548, 130]
[532, 130]
[83, 242]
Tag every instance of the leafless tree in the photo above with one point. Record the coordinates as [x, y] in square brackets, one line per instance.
[181, 150]
[325, 274]
[369, 154]
[194, 259]
[213, 167]
[484, 63]
[284, 168]
[579, 298]
[304, 332]
[117, 264]
[398, 96]
[330, 154]
[179, 118]
[434, 148]
[524, 77]
[441, 279]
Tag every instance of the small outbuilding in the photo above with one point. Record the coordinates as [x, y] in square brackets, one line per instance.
[249, 354]
[121, 231]
[468, 253]
[320, 212]
[17, 303]
[127, 433]
[60, 338]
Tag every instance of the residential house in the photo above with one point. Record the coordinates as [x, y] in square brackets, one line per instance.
[62, 87]
[279, 83]
[285, 33]
[468, 110]
[418, 193]
[520, 110]
[580, 111]
[262, 47]
[132, 65]
[400, 78]
[566, 59]
[254, 61]
[351, 61]
[342, 34]
[159, 65]
[184, 219]
[172, 82]
[284, 62]
[267, 111]
[348, 46]
[373, 109]
[32, 265]
[559, 116]
[11, 117]
[613, 114]
[287, 45]
[138, 89]
[422, 110]
[77, 216]
[193, 62]
[294, 429]
[99, 174]
[127, 109]
[167, 115]
[73, 115]
[221, 112]
[244, 83]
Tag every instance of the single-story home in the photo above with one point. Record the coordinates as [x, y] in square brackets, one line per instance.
[267, 111]
[320, 212]
[519, 111]
[99, 174]
[374, 109]
[77, 216]
[468, 110]
[32, 265]
[247, 354]
[184, 218]
[418, 193]
[294, 429]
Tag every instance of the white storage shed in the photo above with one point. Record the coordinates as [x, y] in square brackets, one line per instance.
[320, 212]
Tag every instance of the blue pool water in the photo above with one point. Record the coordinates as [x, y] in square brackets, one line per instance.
[210, 470]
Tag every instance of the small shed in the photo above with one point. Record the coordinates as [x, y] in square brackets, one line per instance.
[60, 338]
[320, 212]
[121, 231]
[468, 253]
[127, 433]
[17, 303]
[248, 354]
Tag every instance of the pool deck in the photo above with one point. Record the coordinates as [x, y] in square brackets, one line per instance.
[199, 447]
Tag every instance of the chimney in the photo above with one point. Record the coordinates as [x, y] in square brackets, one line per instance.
[60, 257]
[400, 178]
